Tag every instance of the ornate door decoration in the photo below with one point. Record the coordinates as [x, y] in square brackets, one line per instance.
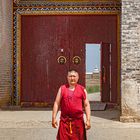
[76, 60]
[61, 60]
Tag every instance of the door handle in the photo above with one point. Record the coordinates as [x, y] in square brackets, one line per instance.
[76, 60]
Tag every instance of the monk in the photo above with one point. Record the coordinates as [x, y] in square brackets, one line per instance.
[71, 98]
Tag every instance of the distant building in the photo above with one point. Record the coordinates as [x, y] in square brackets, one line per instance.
[95, 70]
[89, 75]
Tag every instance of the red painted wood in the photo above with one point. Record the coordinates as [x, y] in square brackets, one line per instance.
[95, 29]
[105, 72]
[43, 38]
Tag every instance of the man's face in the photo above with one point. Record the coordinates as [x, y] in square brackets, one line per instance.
[72, 78]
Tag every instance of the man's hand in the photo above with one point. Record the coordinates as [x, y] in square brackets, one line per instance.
[56, 108]
[54, 123]
[87, 125]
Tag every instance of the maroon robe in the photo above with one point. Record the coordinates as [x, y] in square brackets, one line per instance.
[72, 126]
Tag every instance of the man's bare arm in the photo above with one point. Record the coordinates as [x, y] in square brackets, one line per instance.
[87, 111]
[56, 108]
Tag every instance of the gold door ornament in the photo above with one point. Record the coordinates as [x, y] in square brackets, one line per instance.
[76, 60]
[61, 60]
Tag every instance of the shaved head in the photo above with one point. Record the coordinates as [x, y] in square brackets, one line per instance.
[71, 72]
[72, 77]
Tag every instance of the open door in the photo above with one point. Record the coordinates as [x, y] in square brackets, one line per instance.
[105, 72]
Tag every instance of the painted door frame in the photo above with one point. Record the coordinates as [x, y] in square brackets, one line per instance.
[73, 10]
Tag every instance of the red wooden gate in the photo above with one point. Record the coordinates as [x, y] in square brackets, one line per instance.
[46, 55]
[47, 39]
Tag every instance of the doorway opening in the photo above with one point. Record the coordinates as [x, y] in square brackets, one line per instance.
[93, 71]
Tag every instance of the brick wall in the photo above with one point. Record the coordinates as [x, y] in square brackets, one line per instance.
[130, 53]
[5, 51]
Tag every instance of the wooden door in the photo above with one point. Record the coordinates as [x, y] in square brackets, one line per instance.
[44, 42]
[105, 72]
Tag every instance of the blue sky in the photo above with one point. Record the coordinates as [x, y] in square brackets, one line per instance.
[92, 57]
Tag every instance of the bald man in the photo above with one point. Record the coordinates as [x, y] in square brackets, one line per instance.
[71, 98]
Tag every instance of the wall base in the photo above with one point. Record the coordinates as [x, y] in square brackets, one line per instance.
[130, 118]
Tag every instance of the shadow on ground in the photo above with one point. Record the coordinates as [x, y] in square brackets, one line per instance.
[109, 114]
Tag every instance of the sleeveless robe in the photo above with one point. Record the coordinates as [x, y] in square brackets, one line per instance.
[72, 125]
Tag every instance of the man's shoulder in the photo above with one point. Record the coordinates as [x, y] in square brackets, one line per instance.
[79, 85]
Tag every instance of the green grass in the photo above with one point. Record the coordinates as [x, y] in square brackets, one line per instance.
[92, 89]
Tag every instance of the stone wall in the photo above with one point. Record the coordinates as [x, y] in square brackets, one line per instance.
[5, 51]
[130, 57]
